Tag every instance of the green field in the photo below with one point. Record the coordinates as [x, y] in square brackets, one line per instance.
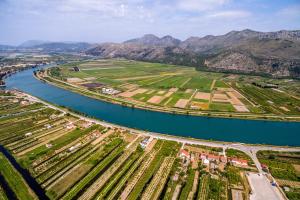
[120, 74]
[15, 180]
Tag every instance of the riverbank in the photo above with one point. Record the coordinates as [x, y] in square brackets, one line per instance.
[214, 129]
[138, 105]
[188, 140]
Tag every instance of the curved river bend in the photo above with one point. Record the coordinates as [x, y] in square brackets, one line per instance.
[231, 130]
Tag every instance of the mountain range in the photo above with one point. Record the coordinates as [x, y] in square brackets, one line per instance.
[274, 54]
[48, 47]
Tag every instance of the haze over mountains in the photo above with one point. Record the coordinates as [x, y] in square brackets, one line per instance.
[268, 53]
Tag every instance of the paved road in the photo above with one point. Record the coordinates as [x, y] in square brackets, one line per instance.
[262, 188]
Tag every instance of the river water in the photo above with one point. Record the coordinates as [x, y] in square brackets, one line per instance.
[231, 130]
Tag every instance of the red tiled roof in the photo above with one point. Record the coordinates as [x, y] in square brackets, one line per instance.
[186, 153]
[239, 160]
[213, 156]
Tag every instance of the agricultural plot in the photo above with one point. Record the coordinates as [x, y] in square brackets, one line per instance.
[271, 101]
[76, 159]
[15, 180]
[152, 82]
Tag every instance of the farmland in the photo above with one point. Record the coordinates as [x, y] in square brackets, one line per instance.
[70, 157]
[179, 89]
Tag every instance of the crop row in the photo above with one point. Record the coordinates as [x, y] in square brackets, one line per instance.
[15, 180]
[101, 181]
[88, 179]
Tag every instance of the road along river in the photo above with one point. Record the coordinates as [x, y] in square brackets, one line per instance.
[230, 130]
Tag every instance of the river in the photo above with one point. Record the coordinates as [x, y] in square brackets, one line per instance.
[209, 128]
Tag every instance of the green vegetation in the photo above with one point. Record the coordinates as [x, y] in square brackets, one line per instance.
[237, 154]
[216, 188]
[118, 176]
[15, 180]
[187, 185]
[233, 175]
[221, 107]
[94, 173]
[58, 143]
[294, 194]
[281, 164]
[2, 194]
[166, 148]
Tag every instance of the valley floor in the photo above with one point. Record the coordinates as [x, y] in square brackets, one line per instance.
[181, 90]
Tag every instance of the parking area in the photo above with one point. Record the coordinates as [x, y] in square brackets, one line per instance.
[262, 188]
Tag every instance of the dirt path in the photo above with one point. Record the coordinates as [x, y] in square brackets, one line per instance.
[168, 101]
[137, 176]
[176, 192]
[165, 77]
[212, 85]
[185, 82]
[99, 183]
[157, 184]
[137, 77]
[195, 186]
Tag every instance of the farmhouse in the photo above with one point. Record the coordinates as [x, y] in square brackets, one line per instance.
[145, 142]
[110, 91]
[184, 154]
[237, 161]
[28, 134]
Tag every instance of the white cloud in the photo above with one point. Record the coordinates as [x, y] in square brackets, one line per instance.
[230, 14]
[200, 5]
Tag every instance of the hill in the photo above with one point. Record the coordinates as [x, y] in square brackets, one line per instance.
[274, 54]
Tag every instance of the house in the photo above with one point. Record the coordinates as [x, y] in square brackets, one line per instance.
[110, 91]
[184, 154]
[205, 161]
[223, 159]
[48, 126]
[212, 157]
[24, 103]
[239, 161]
[203, 156]
[145, 142]
[69, 126]
[28, 134]
[72, 148]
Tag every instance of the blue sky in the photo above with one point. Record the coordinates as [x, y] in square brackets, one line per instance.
[119, 20]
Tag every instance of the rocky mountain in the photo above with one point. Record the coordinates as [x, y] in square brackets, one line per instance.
[152, 40]
[269, 53]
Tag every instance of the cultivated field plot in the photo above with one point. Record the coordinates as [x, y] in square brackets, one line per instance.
[163, 85]
[182, 88]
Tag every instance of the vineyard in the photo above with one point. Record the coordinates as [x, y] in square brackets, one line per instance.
[71, 158]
